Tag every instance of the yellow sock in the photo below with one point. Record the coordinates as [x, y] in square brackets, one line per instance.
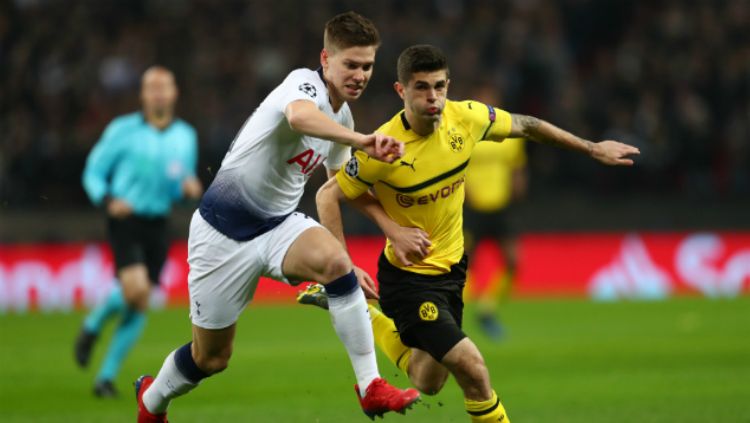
[490, 411]
[388, 340]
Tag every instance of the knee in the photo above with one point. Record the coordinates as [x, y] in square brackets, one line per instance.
[337, 265]
[213, 363]
[432, 387]
[427, 375]
[136, 288]
[137, 297]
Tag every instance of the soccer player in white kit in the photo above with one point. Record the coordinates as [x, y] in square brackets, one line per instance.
[247, 227]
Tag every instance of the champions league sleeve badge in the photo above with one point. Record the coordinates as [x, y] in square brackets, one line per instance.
[352, 167]
[308, 89]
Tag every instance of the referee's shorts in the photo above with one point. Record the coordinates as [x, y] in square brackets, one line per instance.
[139, 240]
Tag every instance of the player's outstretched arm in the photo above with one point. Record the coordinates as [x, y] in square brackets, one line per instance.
[608, 152]
[305, 117]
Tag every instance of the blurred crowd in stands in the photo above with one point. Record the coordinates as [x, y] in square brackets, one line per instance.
[671, 77]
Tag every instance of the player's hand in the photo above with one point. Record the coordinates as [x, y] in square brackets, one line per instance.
[409, 243]
[381, 147]
[614, 153]
[367, 284]
[192, 188]
[119, 209]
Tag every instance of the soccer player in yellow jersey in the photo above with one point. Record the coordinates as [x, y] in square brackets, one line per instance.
[495, 179]
[418, 201]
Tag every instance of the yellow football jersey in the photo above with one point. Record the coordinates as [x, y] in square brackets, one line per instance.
[425, 188]
[489, 178]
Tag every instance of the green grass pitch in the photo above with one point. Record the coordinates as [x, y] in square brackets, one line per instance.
[683, 360]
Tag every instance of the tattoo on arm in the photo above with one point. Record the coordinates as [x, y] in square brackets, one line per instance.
[524, 125]
[538, 130]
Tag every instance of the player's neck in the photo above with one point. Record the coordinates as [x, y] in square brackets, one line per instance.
[159, 122]
[336, 102]
[419, 126]
[333, 98]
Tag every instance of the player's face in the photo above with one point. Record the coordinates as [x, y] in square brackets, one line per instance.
[424, 95]
[348, 70]
[158, 92]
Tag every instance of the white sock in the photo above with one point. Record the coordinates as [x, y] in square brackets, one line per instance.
[169, 383]
[351, 320]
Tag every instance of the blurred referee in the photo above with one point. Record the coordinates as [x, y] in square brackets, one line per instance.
[143, 163]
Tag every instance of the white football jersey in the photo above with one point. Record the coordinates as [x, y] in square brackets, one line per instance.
[263, 175]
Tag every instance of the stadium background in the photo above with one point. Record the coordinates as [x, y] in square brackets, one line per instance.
[671, 77]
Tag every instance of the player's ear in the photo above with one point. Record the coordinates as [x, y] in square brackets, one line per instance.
[399, 87]
[324, 58]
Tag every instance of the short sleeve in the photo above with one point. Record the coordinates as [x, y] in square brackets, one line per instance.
[339, 155]
[486, 122]
[360, 173]
[302, 84]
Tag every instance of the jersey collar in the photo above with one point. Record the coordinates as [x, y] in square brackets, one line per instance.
[404, 121]
[407, 135]
[161, 131]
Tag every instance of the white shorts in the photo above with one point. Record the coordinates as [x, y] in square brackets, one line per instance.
[224, 273]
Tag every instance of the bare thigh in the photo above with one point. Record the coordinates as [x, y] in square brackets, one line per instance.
[316, 255]
[135, 285]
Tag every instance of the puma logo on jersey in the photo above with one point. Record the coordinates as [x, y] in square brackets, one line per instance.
[307, 160]
[407, 164]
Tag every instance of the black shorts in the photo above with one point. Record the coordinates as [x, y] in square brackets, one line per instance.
[142, 240]
[427, 309]
[494, 225]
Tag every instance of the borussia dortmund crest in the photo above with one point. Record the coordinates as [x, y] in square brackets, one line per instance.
[457, 143]
[428, 312]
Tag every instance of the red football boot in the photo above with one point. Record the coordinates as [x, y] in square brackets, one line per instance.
[381, 397]
[145, 416]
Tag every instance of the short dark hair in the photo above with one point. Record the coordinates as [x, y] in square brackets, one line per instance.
[420, 58]
[350, 29]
